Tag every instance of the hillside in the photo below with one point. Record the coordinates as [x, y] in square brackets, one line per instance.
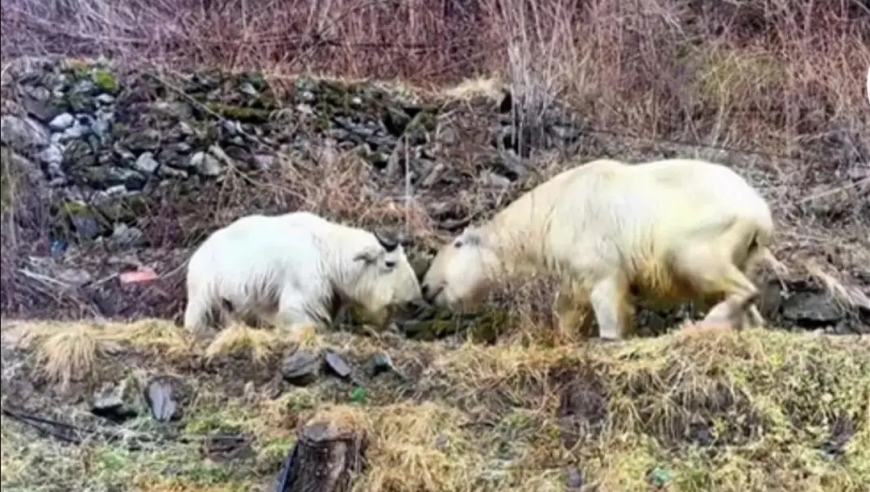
[692, 411]
[130, 131]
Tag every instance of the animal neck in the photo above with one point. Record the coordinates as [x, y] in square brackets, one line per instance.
[518, 245]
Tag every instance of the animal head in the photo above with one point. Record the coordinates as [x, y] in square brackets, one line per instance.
[462, 272]
[387, 278]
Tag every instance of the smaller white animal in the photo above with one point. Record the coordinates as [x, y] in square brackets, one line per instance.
[664, 231]
[297, 269]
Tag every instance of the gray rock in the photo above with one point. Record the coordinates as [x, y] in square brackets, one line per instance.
[40, 107]
[114, 402]
[76, 131]
[264, 161]
[302, 367]
[51, 155]
[61, 122]
[161, 394]
[124, 236]
[24, 135]
[101, 126]
[205, 164]
[171, 172]
[105, 99]
[74, 277]
[146, 163]
[811, 309]
[219, 153]
[86, 226]
[185, 129]
[248, 89]
[494, 180]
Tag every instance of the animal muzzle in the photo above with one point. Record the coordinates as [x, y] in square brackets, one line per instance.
[429, 292]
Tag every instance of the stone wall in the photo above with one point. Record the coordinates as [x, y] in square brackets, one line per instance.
[103, 149]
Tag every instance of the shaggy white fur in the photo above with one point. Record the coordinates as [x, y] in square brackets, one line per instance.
[664, 231]
[296, 269]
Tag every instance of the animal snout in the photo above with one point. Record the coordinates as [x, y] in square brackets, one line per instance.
[429, 293]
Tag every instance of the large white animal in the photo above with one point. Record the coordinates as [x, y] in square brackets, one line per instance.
[615, 233]
[297, 269]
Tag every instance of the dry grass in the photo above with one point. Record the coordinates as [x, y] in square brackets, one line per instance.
[708, 410]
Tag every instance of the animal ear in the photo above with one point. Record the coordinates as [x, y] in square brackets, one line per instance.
[370, 254]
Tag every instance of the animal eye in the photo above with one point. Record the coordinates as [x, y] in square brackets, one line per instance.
[457, 244]
[390, 264]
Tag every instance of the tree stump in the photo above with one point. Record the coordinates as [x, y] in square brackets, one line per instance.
[328, 454]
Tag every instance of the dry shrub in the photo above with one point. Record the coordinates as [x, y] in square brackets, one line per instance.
[766, 74]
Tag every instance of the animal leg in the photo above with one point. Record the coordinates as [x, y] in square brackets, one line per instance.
[293, 318]
[610, 299]
[716, 276]
[754, 317]
[198, 315]
[572, 311]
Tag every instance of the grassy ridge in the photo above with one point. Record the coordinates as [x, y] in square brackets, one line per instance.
[694, 410]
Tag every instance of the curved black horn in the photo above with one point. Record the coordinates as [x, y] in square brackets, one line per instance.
[388, 241]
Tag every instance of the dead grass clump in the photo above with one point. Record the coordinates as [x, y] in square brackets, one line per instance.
[65, 352]
[152, 334]
[419, 447]
[237, 339]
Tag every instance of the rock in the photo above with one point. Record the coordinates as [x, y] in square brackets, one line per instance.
[75, 277]
[86, 227]
[146, 163]
[105, 99]
[61, 122]
[302, 367]
[161, 395]
[124, 236]
[811, 309]
[205, 165]
[51, 156]
[114, 402]
[39, 106]
[337, 365]
[76, 131]
[382, 363]
[171, 172]
[494, 180]
[145, 141]
[23, 135]
[264, 161]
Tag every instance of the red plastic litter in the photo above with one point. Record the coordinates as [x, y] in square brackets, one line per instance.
[138, 276]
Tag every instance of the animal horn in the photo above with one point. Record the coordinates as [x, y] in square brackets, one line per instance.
[388, 241]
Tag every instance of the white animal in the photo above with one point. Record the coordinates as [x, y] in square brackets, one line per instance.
[296, 269]
[664, 231]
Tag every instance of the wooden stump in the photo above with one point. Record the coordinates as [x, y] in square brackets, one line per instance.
[327, 455]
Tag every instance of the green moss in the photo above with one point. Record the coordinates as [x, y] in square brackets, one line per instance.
[125, 209]
[105, 80]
